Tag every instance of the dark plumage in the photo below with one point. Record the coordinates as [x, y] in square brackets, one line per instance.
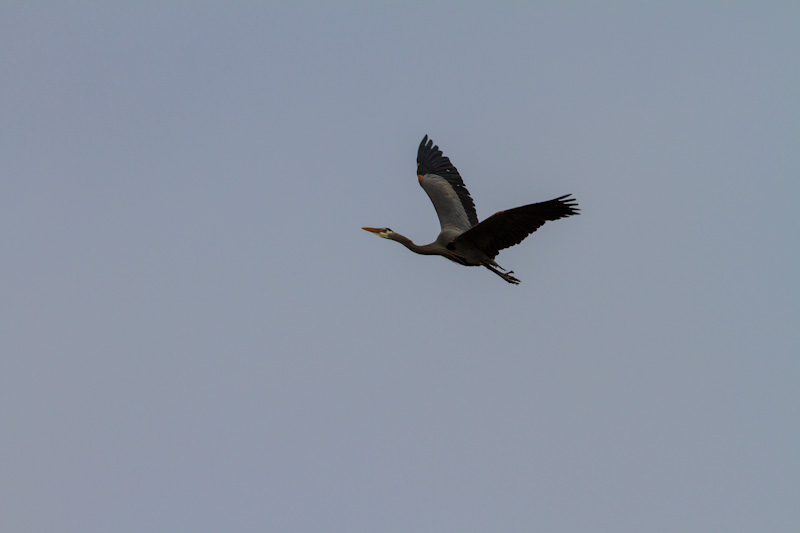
[507, 228]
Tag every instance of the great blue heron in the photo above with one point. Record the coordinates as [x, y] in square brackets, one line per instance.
[463, 239]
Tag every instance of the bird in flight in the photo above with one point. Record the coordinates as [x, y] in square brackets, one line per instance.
[463, 239]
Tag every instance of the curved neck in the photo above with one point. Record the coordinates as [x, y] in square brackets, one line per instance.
[426, 249]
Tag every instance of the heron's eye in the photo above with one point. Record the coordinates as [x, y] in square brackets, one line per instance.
[387, 230]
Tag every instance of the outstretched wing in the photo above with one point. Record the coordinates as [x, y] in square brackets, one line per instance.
[507, 228]
[444, 186]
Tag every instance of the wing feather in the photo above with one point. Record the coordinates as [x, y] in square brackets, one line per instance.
[445, 188]
[507, 228]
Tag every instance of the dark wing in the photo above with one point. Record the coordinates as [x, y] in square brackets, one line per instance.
[507, 228]
[445, 188]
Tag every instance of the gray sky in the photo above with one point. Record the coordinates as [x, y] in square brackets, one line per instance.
[196, 335]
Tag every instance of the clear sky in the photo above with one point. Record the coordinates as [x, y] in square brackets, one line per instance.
[196, 335]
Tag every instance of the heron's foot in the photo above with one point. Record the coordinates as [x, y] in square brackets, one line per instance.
[505, 275]
[509, 278]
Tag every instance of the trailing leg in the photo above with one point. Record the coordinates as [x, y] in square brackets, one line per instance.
[505, 275]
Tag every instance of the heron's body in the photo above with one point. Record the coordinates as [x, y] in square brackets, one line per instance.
[463, 239]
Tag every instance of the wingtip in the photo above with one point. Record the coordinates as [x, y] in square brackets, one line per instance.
[426, 143]
[570, 203]
[427, 150]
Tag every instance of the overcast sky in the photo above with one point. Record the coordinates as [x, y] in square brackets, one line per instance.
[196, 335]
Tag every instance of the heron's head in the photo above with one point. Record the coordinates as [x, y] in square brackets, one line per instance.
[380, 232]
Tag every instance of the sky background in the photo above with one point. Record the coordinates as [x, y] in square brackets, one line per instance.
[196, 335]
